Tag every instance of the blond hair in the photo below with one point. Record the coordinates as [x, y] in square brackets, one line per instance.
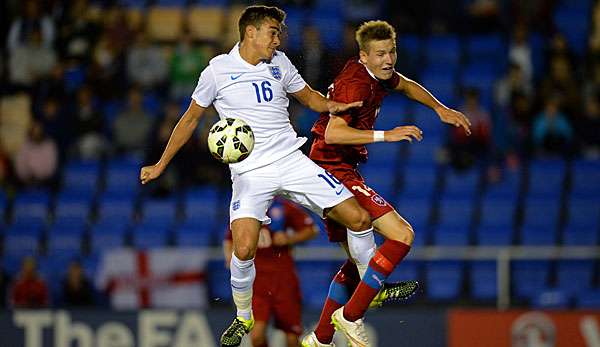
[374, 30]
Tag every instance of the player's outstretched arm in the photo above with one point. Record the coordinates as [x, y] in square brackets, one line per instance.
[338, 132]
[417, 92]
[180, 135]
[317, 102]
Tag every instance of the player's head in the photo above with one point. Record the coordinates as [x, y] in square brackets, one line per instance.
[377, 44]
[260, 28]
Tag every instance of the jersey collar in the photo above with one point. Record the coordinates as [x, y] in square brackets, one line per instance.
[235, 53]
[369, 71]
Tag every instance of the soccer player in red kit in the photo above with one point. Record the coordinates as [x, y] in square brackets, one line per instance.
[339, 147]
[276, 287]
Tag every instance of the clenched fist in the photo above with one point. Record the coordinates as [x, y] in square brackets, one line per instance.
[148, 173]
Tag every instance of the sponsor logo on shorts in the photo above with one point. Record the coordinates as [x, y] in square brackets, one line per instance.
[378, 200]
[340, 191]
[236, 205]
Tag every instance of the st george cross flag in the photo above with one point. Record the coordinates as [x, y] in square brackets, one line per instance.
[159, 278]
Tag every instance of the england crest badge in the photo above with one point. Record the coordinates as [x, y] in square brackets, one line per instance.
[275, 71]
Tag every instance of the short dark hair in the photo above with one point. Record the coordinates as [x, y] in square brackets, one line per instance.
[256, 15]
[375, 30]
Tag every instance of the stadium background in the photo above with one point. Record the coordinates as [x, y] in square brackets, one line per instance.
[507, 220]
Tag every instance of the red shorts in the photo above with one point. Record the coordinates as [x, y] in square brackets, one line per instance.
[366, 196]
[278, 295]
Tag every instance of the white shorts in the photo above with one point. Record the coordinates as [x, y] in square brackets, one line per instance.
[294, 177]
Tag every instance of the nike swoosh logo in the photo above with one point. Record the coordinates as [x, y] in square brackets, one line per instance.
[340, 192]
[233, 78]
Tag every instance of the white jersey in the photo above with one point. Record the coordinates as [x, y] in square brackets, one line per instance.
[256, 94]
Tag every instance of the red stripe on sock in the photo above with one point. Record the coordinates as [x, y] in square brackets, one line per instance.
[384, 261]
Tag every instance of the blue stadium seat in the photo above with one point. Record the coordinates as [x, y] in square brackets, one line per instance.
[418, 181]
[483, 280]
[81, 178]
[11, 264]
[507, 188]
[315, 277]
[192, 237]
[219, 286]
[583, 222]
[31, 207]
[533, 235]
[454, 222]
[409, 54]
[118, 210]
[551, 299]
[497, 212]
[394, 112]
[3, 206]
[546, 178]
[219, 3]
[441, 81]
[433, 130]
[21, 240]
[122, 176]
[461, 184]
[150, 236]
[482, 77]
[159, 210]
[383, 155]
[170, 3]
[486, 48]
[492, 235]
[133, 3]
[586, 179]
[574, 276]
[294, 22]
[381, 179]
[529, 277]
[541, 212]
[574, 24]
[107, 236]
[448, 44]
[65, 242]
[580, 236]
[424, 153]
[416, 212]
[588, 300]
[444, 279]
[331, 27]
[405, 271]
[71, 209]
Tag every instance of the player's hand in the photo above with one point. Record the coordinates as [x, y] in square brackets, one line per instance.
[408, 133]
[280, 239]
[450, 116]
[148, 173]
[338, 107]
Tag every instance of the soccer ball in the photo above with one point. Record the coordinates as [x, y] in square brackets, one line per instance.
[230, 140]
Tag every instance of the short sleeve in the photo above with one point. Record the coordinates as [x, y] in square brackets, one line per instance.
[206, 89]
[292, 81]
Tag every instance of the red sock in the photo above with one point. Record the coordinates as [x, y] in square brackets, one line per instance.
[381, 265]
[349, 278]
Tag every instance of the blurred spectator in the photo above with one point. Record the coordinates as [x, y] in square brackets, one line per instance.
[76, 287]
[29, 290]
[5, 170]
[88, 126]
[31, 60]
[513, 82]
[51, 86]
[132, 126]
[552, 133]
[146, 63]
[55, 122]
[588, 128]
[37, 159]
[107, 73]
[483, 15]
[314, 61]
[31, 20]
[466, 150]
[186, 64]
[78, 33]
[519, 52]
[561, 81]
[520, 122]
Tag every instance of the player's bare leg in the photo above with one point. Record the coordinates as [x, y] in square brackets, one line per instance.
[350, 214]
[245, 232]
[258, 334]
[292, 339]
[399, 236]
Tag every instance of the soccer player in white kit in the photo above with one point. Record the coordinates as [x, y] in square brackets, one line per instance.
[252, 83]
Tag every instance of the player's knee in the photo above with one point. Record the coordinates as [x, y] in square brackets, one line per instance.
[404, 234]
[244, 252]
[359, 220]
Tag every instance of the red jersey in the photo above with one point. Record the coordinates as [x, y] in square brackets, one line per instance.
[354, 83]
[270, 258]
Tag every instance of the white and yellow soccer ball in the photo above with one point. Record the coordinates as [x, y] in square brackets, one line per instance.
[230, 140]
